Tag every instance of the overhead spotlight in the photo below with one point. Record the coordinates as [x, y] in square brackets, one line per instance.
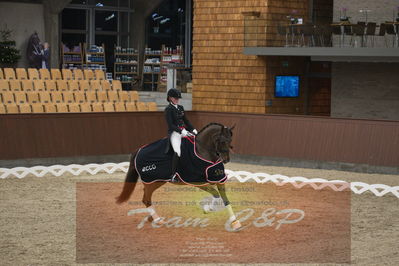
[110, 17]
[164, 20]
[180, 10]
[154, 15]
[157, 18]
[99, 4]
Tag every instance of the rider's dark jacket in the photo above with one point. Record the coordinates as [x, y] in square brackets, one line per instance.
[176, 119]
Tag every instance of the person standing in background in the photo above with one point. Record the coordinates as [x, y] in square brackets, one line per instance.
[46, 55]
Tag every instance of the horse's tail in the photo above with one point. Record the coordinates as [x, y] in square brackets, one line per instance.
[130, 182]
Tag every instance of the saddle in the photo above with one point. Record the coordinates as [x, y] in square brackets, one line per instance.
[153, 164]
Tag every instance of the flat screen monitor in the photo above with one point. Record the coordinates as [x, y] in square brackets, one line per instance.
[286, 86]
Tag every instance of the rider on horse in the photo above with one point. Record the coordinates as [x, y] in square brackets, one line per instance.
[178, 125]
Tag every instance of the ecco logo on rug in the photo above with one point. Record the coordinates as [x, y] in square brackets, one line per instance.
[149, 168]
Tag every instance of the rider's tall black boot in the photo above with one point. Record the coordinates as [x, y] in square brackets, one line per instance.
[175, 163]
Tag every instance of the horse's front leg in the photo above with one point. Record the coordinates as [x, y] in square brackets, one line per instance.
[215, 198]
[232, 217]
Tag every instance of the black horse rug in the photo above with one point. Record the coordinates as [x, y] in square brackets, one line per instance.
[153, 164]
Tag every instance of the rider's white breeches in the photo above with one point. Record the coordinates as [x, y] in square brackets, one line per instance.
[175, 140]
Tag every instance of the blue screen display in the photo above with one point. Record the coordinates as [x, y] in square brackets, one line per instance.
[287, 86]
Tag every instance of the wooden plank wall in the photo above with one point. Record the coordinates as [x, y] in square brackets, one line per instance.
[226, 80]
[358, 141]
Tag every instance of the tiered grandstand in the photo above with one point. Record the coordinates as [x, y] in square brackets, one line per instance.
[55, 91]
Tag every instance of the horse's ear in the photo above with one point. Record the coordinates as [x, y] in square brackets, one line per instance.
[231, 129]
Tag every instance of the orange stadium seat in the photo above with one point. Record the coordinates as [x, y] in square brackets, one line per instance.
[78, 74]
[134, 96]
[89, 74]
[62, 108]
[62, 85]
[84, 85]
[124, 96]
[25, 108]
[106, 85]
[20, 97]
[12, 108]
[44, 96]
[85, 107]
[67, 74]
[27, 85]
[100, 74]
[9, 73]
[152, 106]
[56, 97]
[68, 97]
[38, 85]
[142, 106]
[15, 85]
[21, 73]
[116, 85]
[50, 108]
[108, 107]
[102, 96]
[33, 73]
[79, 96]
[95, 85]
[56, 74]
[131, 106]
[113, 96]
[44, 73]
[7, 97]
[2, 77]
[97, 107]
[74, 108]
[33, 97]
[50, 85]
[73, 85]
[120, 107]
[91, 96]
[4, 85]
[3, 109]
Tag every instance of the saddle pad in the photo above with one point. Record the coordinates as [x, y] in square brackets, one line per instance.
[153, 164]
[195, 170]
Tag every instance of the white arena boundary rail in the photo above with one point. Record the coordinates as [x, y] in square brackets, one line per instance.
[242, 176]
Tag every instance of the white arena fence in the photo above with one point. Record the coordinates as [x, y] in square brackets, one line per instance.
[242, 176]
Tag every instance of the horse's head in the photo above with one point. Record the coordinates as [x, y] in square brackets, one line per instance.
[222, 141]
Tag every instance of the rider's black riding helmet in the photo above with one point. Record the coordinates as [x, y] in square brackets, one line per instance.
[173, 93]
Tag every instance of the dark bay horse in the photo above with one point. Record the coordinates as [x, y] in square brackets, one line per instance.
[212, 143]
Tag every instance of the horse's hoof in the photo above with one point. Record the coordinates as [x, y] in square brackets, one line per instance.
[236, 225]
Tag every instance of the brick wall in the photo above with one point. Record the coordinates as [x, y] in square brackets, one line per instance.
[223, 78]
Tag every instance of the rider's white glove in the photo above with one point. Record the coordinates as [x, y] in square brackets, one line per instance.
[184, 133]
[195, 131]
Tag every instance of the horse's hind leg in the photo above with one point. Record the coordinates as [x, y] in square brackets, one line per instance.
[148, 190]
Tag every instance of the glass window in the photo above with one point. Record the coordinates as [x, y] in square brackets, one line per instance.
[124, 40]
[79, 2]
[100, 3]
[109, 42]
[73, 39]
[106, 21]
[124, 22]
[74, 19]
[124, 3]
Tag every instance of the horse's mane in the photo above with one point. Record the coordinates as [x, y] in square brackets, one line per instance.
[210, 124]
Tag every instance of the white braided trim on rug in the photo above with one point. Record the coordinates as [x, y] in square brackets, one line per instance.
[242, 176]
